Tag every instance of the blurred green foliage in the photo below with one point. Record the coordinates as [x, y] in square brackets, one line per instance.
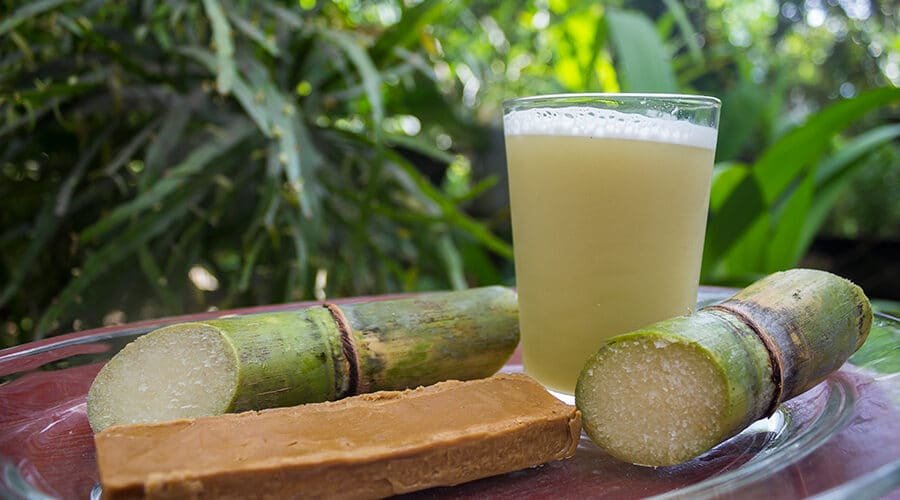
[161, 157]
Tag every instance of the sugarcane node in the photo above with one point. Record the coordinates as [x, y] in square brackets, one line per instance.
[670, 391]
[348, 347]
[774, 353]
[305, 355]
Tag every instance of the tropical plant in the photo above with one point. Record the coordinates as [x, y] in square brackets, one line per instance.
[777, 175]
[169, 156]
[224, 152]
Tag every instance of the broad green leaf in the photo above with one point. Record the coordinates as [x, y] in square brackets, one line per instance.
[297, 156]
[741, 208]
[836, 165]
[725, 178]
[779, 165]
[783, 249]
[224, 45]
[27, 11]
[644, 63]
[785, 159]
[741, 264]
[833, 176]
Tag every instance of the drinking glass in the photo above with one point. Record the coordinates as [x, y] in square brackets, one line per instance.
[609, 196]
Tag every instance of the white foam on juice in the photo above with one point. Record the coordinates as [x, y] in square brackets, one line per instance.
[607, 124]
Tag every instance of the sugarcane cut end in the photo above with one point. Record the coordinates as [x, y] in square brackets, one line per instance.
[652, 401]
[180, 371]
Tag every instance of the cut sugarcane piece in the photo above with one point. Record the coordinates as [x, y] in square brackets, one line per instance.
[308, 355]
[668, 392]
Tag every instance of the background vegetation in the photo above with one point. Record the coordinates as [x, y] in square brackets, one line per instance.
[161, 157]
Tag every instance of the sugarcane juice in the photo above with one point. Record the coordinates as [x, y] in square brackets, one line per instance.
[608, 226]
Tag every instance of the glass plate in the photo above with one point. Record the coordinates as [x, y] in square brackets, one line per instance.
[838, 440]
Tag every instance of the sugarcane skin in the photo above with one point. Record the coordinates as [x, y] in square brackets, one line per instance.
[278, 367]
[451, 336]
[295, 357]
[812, 320]
[797, 327]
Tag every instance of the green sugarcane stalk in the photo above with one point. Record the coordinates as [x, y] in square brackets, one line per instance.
[692, 382]
[308, 355]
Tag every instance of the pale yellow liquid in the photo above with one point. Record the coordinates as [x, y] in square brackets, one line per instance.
[608, 237]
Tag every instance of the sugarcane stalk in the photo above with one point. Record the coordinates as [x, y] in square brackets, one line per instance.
[671, 391]
[308, 355]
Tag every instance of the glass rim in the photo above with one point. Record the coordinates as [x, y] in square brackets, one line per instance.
[694, 99]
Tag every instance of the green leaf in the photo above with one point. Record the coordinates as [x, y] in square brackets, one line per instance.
[371, 79]
[779, 165]
[68, 186]
[643, 62]
[688, 33]
[450, 212]
[287, 15]
[27, 11]
[224, 47]
[785, 159]
[252, 32]
[452, 260]
[420, 145]
[590, 70]
[741, 264]
[192, 165]
[725, 178]
[246, 96]
[250, 263]
[833, 176]
[301, 248]
[407, 30]
[257, 111]
[735, 212]
[835, 167]
[783, 249]
[297, 155]
[116, 250]
[165, 143]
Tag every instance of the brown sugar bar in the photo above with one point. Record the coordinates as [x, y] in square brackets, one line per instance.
[373, 445]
